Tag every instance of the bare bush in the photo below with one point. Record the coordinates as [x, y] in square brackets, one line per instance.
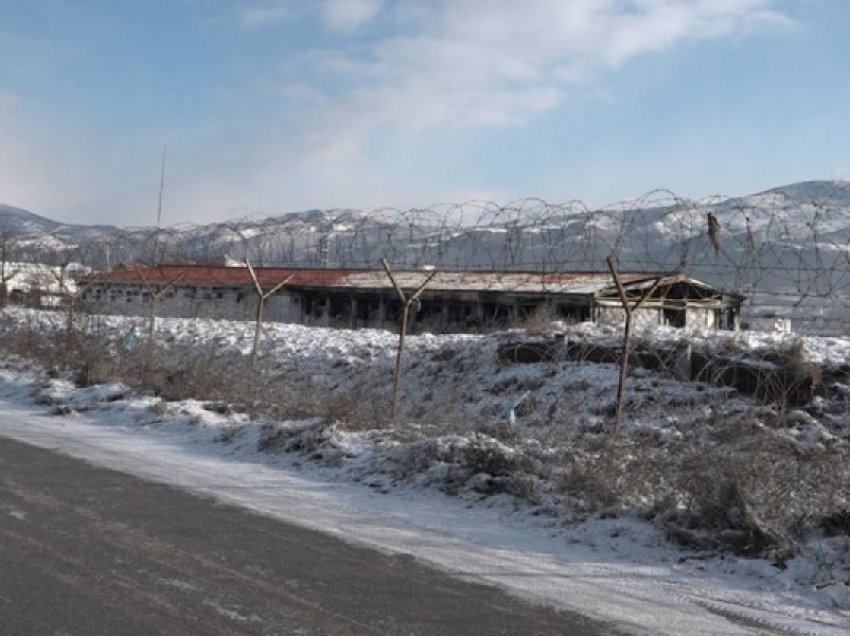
[717, 472]
[538, 322]
[90, 358]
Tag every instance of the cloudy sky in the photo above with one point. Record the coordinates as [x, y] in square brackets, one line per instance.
[269, 106]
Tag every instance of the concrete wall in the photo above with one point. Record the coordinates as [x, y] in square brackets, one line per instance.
[700, 318]
[194, 302]
[695, 317]
[280, 307]
[445, 311]
[613, 315]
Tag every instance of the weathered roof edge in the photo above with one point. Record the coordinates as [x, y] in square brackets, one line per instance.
[579, 282]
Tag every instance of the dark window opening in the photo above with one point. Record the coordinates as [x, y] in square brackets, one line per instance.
[674, 317]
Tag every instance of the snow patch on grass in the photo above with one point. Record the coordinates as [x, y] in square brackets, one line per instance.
[695, 463]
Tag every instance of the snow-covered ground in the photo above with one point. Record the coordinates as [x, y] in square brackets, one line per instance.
[389, 489]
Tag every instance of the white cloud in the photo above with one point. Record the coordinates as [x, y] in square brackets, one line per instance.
[260, 15]
[444, 66]
[349, 15]
[499, 61]
[441, 67]
[454, 64]
[428, 68]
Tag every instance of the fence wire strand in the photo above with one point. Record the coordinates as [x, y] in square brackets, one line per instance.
[787, 252]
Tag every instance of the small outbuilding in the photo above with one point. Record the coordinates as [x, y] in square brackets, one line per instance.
[36, 284]
[452, 301]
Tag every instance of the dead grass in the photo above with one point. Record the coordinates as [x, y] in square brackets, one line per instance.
[538, 322]
[729, 480]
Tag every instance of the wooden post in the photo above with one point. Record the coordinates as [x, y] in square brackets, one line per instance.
[258, 327]
[261, 304]
[156, 292]
[72, 300]
[152, 307]
[72, 296]
[406, 301]
[627, 333]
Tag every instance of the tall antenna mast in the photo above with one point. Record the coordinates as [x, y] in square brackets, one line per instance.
[159, 208]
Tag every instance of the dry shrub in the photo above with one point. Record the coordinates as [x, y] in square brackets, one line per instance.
[741, 482]
[757, 494]
[836, 523]
[353, 409]
[537, 322]
[199, 373]
[89, 357]
[305, 437]
[316, 439]
[721, 510]
[492, 458]
[625, 473]
[183, 372]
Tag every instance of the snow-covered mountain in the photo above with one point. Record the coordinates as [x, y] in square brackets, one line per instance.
[18, 222]
[833, 192]
[787, 249]
[530, 233]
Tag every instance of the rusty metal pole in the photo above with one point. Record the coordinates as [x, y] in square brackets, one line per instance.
[628, 309]
[261, 302]
[405, 301]
[402, 333]
[152, 317]
[624, 370]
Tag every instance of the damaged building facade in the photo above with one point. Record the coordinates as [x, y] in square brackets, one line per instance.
[466, 301]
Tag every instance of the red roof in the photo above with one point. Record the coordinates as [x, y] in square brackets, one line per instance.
[220, 275]
[572, 282]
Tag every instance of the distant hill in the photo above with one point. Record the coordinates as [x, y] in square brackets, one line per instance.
[18, 221]
[774, 229]
[831, 192]
[786, 249]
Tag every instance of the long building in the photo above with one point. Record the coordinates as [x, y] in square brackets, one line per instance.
[452, 301]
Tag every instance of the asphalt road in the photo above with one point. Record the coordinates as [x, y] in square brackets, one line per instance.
[86, 550]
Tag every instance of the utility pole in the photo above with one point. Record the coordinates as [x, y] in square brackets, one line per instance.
[159, 208]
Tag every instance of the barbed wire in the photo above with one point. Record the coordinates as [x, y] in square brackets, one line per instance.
[787, 252]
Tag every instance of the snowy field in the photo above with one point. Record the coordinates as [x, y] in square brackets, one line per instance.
[506, 521]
